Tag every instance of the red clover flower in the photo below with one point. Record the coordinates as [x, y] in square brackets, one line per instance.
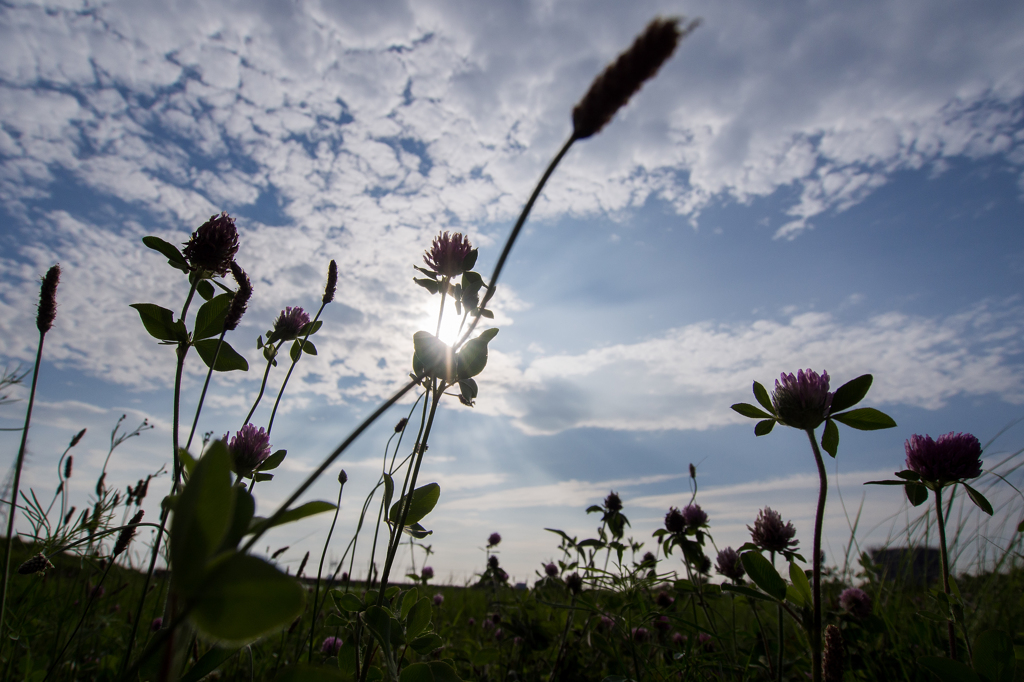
[493, 540]
[802, 400]
[447, 253]
[427, 573]
[953, 457]
[675, 522]
[438, 599]
[771, 534]
[728, 564]
[213, 246]
[289, 323]
[249, 447]
[331, 646]
[551, 570]
[856, 602]
[695, 517]
[613, 502]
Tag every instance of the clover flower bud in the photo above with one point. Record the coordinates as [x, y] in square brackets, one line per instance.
[240, 301]
[952, 457]
[728, 564]
[694, 516]
[693, 472]
[575, 583]
[447, 253]
[678, 638]
[471, 622]
[613, 502]
[342, 477]
[832, 659]
[551, 570]
[289, 323]
[331, 646]
[156, 624]
[771, 534]
[67, 467]
[427, 573]
[248, 448]
[605, 623]
[77, 439]
[127, 533]
[438, 599]
[36, 564]
[662, 623]
[641, 634]
[47, 310]
[675, 522]
[649, 558]
[493, 540]
[332, 283]
[496, 617]
[802, 400]
[856, 602]
[213, 246]
[611, 90]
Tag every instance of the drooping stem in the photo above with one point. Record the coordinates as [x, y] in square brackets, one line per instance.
[12, 510]
[819, 518]
[945, 567]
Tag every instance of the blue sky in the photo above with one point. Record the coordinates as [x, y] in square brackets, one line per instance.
[803, 185]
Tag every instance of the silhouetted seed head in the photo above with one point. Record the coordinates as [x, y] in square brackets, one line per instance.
[47, 311]
[289, 323]
[856, 602]
[575, 583]
[67, 466]
[832, 661]
[100, 484]
[728, 564]
[332, 283]
[140, 492]
[279, 552]
[613, 502]
[675, 522]
[67, 517]
[127, 533]
[240, 301]
[703, 565]
[342, 477]
[611, 90]
[693, 472]
[77, 439]
[494, 540]
[770, 533]
[36, 564]
[295, 624]
[400, 426]
[953, 457]
[302, 565]
[447, 253]
[213, 246]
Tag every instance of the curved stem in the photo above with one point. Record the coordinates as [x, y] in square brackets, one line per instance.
[206, 385]
[945, 568]
[319, 572]
[819, 517]
[263, 386]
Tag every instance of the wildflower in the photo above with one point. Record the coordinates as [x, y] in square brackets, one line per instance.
[427, 573]
[605, 623]
[551, 569]
[342, 477]
[36, 564]
[694, 516]
[76, 440]
[249, 447]
[678, 638]
[492, 562]
[332, 282]
[662, 624]
[447, 253]
[613, 502]
[156, 624]
[641, 634]
[664, 600]
[612, 89]
[487, 624]
[127, 533]
[952, 457]
[471, 622]
[67, 467]
[856, 602]
[331, 646]
[47, 311]
[675, 522]
[240, 301]
[728, 564]
[289, 323]
[97, 592]
[438, 599]
[770, 534]
[704, 639]
[493, 540]
[832, 663]
[649, 558]
[496, 617]
[575, 583]
[498, 633]
[213, 246]
[802, 401]
[703, 565]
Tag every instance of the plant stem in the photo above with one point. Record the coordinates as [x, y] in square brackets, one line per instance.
[12, 512]
[206, 385]
[945, 568]
[819, 517]
[263, 386]
[92, 598]
[319, 572]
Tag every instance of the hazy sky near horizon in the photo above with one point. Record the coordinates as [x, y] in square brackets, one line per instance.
[803, 185]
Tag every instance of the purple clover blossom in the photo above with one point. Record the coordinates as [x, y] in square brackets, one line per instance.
[427, 573]
[438, 599]
[331, 646]
[662, 623]
[728, 564]
[802, 401]
[675, 522]
[551, 569]
[613, 502]
[952, 457]
[213, 246]
[856, 602]
[447, 253]
[771, 534]
[695, 517]
[289, 323]
[494, 540]
[249, 447]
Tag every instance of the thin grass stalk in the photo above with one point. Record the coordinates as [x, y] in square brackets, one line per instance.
[320, 570]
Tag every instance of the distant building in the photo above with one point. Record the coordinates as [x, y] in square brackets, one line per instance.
[914, 565]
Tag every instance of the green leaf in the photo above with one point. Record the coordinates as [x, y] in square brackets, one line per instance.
[830, 438]
[994, 659]
[409, 600]
[160, 323]
[470, 260]
[244, 597]
[245, 507]
[762, 397]
[187, 461]
[764, 427]
[916, 493]
[378, 620]
[484, 312]
[389, 490]
[419, 617]
[472, 357]
[205, 289]
[948, 670]
[262, 477]
[210, 318]
[273, 461]
[764, 574]
[865, 419]
[227, 360]
[748, 410]
[311, 673]
[800, 582]
[202, 518]
[885, 482]
[170, 251]
[416, 530]
[423, 500]
[307, 347]
[346, 601]
[294, 514]
[430, 285]
[468, 388]
[417, 672]
[908, 475]
[978, 499]
[433, 356]
[426, 643]
[745, 591]
[209, 662]
[310, 328]
[851, 393]
[429, 273]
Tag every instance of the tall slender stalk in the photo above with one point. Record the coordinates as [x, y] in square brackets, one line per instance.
[320, 570]
[945, 568]
[819, 516]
